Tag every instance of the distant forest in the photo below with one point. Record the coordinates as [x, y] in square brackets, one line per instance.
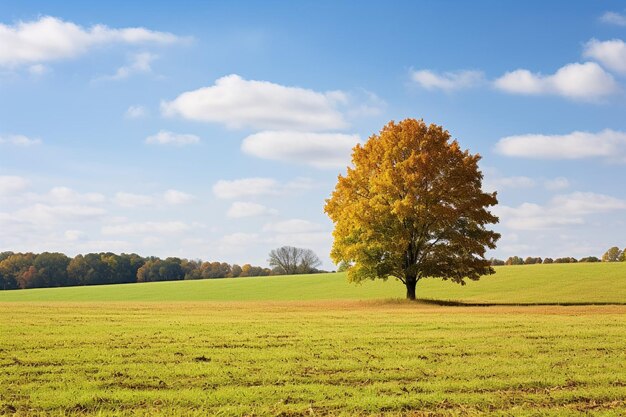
[30, 270]
[613, 254]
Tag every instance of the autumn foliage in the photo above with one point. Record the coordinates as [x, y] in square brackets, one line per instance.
[412, 207]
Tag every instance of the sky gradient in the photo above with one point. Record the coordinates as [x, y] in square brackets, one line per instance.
[216, 130]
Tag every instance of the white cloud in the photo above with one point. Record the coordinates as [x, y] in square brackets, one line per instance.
[496, 184]
[321, 150]
[299, 232]
[299, 184]
[241, 209]
[176, 197]
[614, 18]
[292, 226]
[586, 81]
[169, 138]
[19, 140]
[172, 197]
[609, 144]
[173, 227]
[50, 38]
[37, 69]
[139, 63]
[447, 81]
[558, 183]
[46, 214]
[245, 187]
[74, 235]
[239, 103]
[587, 203]
[136, 112]
[65, 195]
[238, 242]
[611, 54]
[10, 184]
[320, 241]
[259, 186]
[133, 200]
[237, 239]
[365, 104]
[562, 210]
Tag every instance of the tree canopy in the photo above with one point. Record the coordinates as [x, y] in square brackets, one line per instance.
[612, 255]
[292, 260]
[29, 270]
[412, 207]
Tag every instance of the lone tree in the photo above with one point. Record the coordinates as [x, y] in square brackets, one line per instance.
[411, 208]
[291, 260]
[611, 255]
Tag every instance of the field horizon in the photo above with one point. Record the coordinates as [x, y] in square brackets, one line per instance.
[581, 283]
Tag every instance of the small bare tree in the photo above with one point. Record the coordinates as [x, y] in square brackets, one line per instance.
[292, 260]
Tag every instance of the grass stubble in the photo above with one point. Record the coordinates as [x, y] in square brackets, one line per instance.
[292, 358]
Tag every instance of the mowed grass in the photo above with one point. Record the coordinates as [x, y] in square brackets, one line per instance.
[310, 358]
[317, 345]
[557, 283]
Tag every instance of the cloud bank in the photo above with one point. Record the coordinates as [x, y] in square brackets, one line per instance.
[608, 144]
[239, 103]
[321, 150]
[586, 81]
[50, 39]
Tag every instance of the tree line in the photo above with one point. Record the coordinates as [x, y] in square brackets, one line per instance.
[51, 269]
[613, 254]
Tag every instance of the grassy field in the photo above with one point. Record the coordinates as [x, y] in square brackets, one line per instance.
[300, 347]
[557, 283]
[316, 358]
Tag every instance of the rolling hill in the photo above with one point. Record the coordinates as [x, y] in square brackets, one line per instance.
[556, 283]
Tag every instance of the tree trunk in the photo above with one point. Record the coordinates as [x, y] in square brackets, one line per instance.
[411, 282]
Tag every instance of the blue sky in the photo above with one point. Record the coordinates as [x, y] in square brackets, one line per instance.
[216, 130]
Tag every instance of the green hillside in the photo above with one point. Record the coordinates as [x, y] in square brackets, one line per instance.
[558, 283]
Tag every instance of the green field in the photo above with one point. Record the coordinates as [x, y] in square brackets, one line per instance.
[315, 345]
[557, 283]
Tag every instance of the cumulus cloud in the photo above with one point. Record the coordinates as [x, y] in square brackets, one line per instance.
[139, 63]
[447, 81]
[133, 200]
[238, 242]
[240, 209]
[298, 232]
[65, 195]
[49, 214]
[496, 184]
[292, 226]
[136, 112]
[176, 197]
[245, 187]
[586, 81]
[365, 104]
[10, 184]
[50, 38]
[608, 144]
[173, 227]
[558, 183]
[239, 103]
[321, 150]
[18, 140]
[611, 54]
[614, 18]
[170, 138]
[259, 186]
[38, 69]
[74, 235]
[562, 210]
